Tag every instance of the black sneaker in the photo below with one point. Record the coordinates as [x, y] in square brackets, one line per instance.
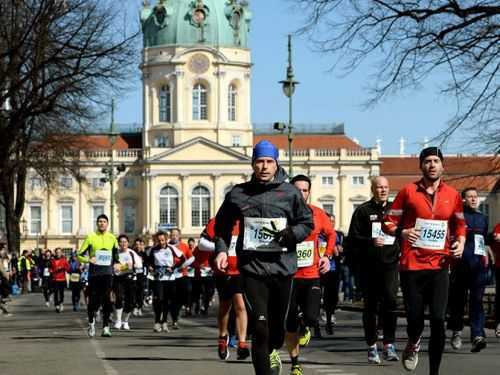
[329, 328]
[242, 352]
[222, 347]
[478, 344]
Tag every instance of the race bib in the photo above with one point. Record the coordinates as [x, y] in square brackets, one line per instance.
[164, 258]
[479, 247]
[432, 234]
[206, 271]
[46, 272]
[74, 277]
[260, 233]
[232, 246]
[305, 254]
[103, 257]
[377, 232]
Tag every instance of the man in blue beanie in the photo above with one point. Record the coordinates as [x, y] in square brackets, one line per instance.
[272, 219]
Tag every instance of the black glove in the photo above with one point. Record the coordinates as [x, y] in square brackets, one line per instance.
[286, 237]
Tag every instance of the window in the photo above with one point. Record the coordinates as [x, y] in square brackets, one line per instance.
[97, 209]
[35, 183]
[35, 219]
[169, 201]
[129, 217]
[129, 182]
[358, 180]
[161, 141]
[165, 104]
[66, 219]
[200, 108]
[484, 208]
[97, 183]
[236, 141]
[66, 182]
[231, 100]
[329, 207]
[200, 206]
[327, 180]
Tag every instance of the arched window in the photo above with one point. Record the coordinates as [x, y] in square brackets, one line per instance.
[165, 104]
[200, 206]
[200, 101]
[169, 201]
[231, 103]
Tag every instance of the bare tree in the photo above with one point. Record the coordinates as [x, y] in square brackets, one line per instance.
[60, 60]
[414, 40]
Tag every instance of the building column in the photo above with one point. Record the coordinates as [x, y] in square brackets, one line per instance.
[183, 206]
[215, 202]
[343, 200]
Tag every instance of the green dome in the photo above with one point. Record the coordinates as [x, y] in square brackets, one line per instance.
[217, 23]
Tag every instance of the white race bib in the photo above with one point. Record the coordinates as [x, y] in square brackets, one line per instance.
[259, 234]
[232, 246]
[103, 257]
[432, 234]
[377, 232]
[479, 247]
[164, 258]
[305, 254]
[46, 272]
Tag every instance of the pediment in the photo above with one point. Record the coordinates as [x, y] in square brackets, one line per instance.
[199, 150]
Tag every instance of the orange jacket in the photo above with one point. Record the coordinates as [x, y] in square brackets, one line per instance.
[58, 268]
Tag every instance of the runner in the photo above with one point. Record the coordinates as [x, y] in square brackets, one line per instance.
[273, 218]
[203, 281]
[59, 266]
[46, 279]
[306, 290]
[378, 257]
[194, 299]
[469, 275]
[163, 261]
[427, 217]
[230, 292]
[75, 281]
[183, 284]
[495, 247]
[100, 250]
[141, 271]
[124, 283]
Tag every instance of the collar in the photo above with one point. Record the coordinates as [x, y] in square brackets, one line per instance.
[421, 185]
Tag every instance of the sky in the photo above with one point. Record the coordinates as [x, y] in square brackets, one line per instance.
[323, 96]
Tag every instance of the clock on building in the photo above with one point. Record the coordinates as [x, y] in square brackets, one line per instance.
[199, 63]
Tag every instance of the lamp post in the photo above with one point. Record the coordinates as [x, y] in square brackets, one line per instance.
[288, 86]
[109, 169]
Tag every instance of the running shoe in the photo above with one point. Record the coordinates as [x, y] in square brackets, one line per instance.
[242, 352]
[157, 327]
[373, 356]
[390, 353]
[275, 361]
[118, 324]
[175, 325]
[126, 326]
[296, 370]
[58, 309]
[47, 304]
[91, 330]
[380, 334]
[497, 330]
[305, 337]
[456, 340]
[233, 343]
[106, 332]
[478, 344]
[61, 308]
[135, 312]
[164, 327]
[410, 356]
[139, 312]
[329, 328]
[222, 348]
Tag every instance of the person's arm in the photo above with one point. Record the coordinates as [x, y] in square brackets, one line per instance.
[302, 224]
[205, 244]
[392, 220]
[224, 223]
[460, 228]
[83, 254]
[357, 230]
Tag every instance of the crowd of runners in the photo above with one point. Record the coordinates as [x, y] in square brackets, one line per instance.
[278, 265]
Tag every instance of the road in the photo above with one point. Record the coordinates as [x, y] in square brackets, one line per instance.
[37, 340]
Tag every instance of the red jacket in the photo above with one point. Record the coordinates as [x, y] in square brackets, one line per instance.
[414, 202]
[495, 246]
[232, 259]
[322, 225]
[201, 260]
[182, 246]
[58, 268]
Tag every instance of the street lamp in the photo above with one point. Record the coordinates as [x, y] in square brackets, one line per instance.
[288, 86]
[109, 169]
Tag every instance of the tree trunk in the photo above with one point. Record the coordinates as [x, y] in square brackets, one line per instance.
[13, 186]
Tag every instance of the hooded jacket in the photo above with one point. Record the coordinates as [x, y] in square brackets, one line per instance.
[253, 199]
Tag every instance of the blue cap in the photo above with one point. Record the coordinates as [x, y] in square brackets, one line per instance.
[265, 149]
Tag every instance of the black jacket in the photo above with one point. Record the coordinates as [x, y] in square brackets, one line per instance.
[360, 236]
[276, 199]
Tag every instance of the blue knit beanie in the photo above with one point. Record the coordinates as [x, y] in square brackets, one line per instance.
[265, 149]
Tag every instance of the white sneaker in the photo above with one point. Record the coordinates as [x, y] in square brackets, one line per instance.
[47, 304]
[164, 326]
[126, 326]
[91, 330]
[118, 324]
[139, 312]
[134, 313]
[157, 327]
[61, 308]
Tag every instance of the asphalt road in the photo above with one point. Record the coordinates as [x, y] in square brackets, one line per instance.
[36, 340]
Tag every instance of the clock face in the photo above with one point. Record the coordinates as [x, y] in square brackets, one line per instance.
[198, 16]
[199, 63]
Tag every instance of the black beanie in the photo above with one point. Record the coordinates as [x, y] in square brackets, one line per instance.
[430, 151]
